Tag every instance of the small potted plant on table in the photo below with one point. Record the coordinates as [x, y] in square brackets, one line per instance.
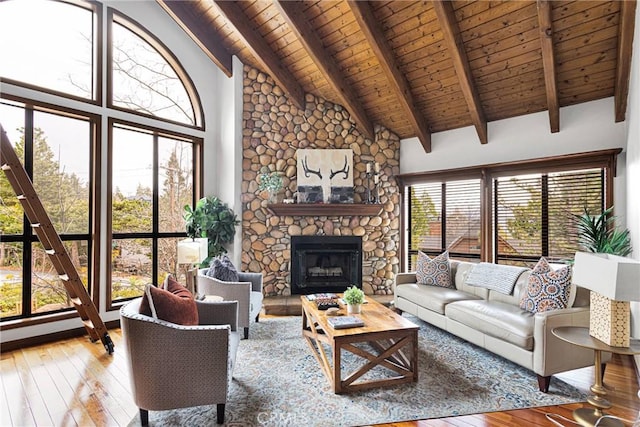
[353, 297]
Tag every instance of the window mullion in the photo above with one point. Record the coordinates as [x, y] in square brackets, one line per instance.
[545, 215]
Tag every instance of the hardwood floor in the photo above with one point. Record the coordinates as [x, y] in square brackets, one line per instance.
[75, 382]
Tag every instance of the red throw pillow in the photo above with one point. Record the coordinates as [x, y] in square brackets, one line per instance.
[175, 304]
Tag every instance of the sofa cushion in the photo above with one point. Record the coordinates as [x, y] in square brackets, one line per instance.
[435, 272]
[547, 289]
[222, 268]
[434, 298]
[497, 319]
[174, 304]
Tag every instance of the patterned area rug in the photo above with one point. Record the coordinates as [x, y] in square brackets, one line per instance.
[277, 382]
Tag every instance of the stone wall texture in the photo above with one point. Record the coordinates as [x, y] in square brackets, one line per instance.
[273, 130]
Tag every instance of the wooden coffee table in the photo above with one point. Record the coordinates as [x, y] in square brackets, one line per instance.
[392, 343]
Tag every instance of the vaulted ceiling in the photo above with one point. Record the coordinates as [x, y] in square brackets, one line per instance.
[418, 67]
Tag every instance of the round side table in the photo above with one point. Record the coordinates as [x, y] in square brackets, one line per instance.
[580, 336]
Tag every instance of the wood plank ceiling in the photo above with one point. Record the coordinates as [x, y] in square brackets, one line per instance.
[418, 67]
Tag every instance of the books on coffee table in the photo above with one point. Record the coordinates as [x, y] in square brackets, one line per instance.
[343, 322]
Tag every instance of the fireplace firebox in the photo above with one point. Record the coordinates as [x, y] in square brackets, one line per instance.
[325, 263]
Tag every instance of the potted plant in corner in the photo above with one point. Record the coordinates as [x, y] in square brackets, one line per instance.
[353, 297]
[214, 220]
[271, 182]
[598, 234]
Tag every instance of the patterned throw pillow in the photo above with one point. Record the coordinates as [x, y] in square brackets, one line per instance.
[222, 268]
[435, 272]
[174, 304]
[548, 289]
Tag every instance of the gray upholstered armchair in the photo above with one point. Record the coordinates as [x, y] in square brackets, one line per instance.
[247, 291]
[173, 366]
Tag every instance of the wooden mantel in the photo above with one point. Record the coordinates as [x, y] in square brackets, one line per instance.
[325, 209]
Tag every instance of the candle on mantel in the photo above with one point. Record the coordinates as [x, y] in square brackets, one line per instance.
[369, 167]
[375, 179]
[377, 167]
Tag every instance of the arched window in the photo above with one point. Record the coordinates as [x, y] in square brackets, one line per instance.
[146, 77]
[153, 137]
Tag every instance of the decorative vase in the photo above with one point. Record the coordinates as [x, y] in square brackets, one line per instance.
[353, 308]
[275, 196]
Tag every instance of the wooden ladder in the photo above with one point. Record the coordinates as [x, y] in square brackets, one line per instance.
[41, 224]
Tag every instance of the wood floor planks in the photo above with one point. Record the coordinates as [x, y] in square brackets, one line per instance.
[76, 383]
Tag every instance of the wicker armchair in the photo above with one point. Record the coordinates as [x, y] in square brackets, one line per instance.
[173, 366]
[247, 291]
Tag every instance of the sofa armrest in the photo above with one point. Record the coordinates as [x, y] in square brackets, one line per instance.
[551, 354]
[403, 278]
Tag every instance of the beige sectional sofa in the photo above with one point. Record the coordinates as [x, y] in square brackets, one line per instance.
[494, 321]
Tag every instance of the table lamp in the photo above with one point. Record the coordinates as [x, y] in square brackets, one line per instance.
[613, 281]
[190, 253]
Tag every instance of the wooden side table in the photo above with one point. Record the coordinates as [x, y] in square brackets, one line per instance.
[580, 336]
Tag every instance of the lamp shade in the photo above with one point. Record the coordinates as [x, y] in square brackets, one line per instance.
[614, 277]
[193, 251]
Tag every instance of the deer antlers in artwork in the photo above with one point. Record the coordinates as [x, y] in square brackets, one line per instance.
[307, 171]
[344, 170]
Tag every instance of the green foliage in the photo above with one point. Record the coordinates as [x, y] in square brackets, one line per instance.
[423, 212]
[353, 295]
[213, 219]
[597, 233]
[270, 181]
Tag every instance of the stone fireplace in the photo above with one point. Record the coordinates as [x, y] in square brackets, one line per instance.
[325, 263]
[273, 132]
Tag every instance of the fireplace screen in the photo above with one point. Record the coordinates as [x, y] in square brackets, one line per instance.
[325, 263]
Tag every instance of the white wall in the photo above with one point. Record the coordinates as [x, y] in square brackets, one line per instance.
[633, 165]
[214, 89]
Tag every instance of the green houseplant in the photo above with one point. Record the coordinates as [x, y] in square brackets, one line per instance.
[354, 297]
[213, 219]
[272, 183]
[597, 233]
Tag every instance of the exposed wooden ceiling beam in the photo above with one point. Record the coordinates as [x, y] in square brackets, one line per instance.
[262, 51]
[399, 84]
[545, 26]
[623, 69]
[451, 32]
[300, 26]
[200, 31]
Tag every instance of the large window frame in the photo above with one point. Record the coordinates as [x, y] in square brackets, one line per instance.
[155, 235]
[102, 115]
[28, 237]
[604, 159]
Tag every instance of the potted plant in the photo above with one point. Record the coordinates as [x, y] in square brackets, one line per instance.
[597, 233]
[214, 220]
[354, 297]
[270, 182]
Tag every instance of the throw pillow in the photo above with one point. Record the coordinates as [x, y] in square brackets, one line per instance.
[547, 289]
[174, 304]
[434, 272]
[223, 269]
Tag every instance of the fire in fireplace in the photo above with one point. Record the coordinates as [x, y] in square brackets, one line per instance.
[325, 263]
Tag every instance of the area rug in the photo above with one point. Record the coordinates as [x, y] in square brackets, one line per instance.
[277, 382]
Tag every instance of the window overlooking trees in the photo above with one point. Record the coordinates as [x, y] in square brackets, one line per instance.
[143, 80]
[524, 215]
[150, 163]
[65, 48]
[533, 213]
[444, 216]
[146, 223]
[56, 151]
